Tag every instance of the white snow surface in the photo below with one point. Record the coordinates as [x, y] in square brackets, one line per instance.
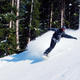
[63, 62]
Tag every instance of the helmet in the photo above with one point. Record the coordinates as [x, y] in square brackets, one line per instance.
[63, 28]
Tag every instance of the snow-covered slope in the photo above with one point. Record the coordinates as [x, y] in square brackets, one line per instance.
[63, 63]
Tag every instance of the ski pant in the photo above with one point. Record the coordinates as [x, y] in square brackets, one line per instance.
[52, 45]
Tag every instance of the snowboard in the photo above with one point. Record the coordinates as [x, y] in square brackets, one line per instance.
[45, 57]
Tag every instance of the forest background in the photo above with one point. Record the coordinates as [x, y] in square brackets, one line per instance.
[23, 20]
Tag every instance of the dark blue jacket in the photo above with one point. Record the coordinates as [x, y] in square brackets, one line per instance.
[60, 33]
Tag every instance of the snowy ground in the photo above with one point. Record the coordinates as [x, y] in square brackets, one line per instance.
[63, 63]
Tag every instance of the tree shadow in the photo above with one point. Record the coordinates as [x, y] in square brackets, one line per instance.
[25, 56]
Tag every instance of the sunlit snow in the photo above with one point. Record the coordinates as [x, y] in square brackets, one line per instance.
[63, 62]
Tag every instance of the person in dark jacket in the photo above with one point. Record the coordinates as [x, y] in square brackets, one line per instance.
[55, 38]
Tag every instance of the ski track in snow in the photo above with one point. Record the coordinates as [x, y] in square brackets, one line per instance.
[63, 62]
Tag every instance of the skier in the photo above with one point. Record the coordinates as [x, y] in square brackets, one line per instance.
[56, 37]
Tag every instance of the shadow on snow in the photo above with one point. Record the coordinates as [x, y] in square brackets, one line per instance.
[25, 56]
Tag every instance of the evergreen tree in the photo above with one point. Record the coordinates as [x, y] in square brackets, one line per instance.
[33, 25]
[17, 24]
[23, 20]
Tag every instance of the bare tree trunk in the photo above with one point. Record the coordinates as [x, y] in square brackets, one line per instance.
[62, 17]
[11, 22]
[30, 24]
[31, 12]
[17, 25]
[62, 12]
[51, 15]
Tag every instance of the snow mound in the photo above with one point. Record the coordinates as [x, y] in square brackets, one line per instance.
[63, 64]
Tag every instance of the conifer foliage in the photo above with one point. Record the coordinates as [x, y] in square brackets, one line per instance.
[23, 20]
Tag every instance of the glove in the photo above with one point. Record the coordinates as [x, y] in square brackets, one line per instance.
[75, 38]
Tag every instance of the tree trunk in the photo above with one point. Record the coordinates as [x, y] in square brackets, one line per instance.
[30, 24]
[17, 25]
[51, 15]
[62, 12]
[31, 13]
[11, 22]
[62, 17]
